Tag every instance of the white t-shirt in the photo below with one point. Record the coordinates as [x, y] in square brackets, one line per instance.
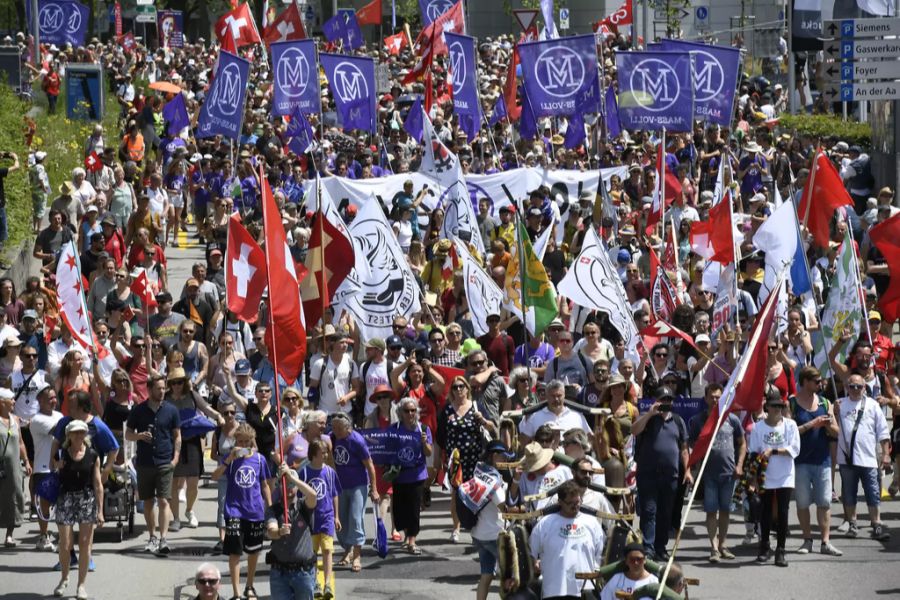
[872, 430]
[565, 547]
[377, 374]
[780, 472]
[566, 420]
[532, 485]
[334, 381]
[490, 523]
[42, 427]
[27, 403]
[621, 583]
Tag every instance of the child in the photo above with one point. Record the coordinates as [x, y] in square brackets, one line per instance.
[248, 476]
[323, 479]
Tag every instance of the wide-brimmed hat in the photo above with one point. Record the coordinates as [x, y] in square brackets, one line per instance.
[66, 188]
[752, 147]
[536, 457]
[176, 373]
[382, 389]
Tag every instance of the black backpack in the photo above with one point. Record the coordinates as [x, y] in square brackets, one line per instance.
[467, 518]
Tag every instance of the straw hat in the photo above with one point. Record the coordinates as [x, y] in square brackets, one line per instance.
[536, 457]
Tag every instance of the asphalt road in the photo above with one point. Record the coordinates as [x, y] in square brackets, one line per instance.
[868, 569]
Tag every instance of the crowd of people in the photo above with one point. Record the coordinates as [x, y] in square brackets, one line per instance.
[545, 424]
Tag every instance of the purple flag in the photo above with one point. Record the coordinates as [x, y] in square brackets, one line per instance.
[176, 115]
[352, 83]
[223, 109]
[335, 28]
[414, 123]
[352, 37]
[300, 133]
[527, 122]
[575, 132]
[499, 111]
[613, 129]
[432, 9]
[296, 78]
[561, 75]
[464, 77]
[61, 21]
[549, 24]
[655, 90]
[714, 78]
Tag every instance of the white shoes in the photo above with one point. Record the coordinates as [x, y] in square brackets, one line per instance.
[175, 526]
[152, 544]
[192, 521]
[44, 543]
[61, 588]
[81, 594]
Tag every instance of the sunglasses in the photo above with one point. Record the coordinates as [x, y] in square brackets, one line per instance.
[458, 386]
[257, 339]
[855, 387]
[409, 410]
[188, 331]
[207, 581]
[437, 339]
[661, 354]
[264, 391]
[29, 356]
[229, 413]
[477, 363]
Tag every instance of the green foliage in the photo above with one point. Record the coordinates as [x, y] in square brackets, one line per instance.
[827, 125]
[18, 193]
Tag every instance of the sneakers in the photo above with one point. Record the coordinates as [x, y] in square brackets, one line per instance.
[852, 530]
[844, 527]
[60, 589]
[726, 554]
[217, 549]
[192, 521]
[152, 544]
[454, 536]
[893, 490]
[748, 539]
[764, 556]
[317, 593]
[44, 544]
[329, 594]
[81, 594]
[714, 556]
[806, 548]
[880, 533]
[175, 526]
[163, 548]
[780, 560]
[830, 550]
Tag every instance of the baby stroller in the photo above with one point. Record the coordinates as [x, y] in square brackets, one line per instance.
[118, 497]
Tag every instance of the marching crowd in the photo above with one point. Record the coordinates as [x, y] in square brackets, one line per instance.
[520, 427]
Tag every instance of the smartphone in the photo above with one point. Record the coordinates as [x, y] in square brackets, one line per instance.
[665, 407]
[243, 452]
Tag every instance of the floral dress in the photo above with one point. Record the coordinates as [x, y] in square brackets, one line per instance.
[462, 433]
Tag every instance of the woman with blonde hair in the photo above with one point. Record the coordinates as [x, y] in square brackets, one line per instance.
[80, 501]
[416, 257]
[71, 377]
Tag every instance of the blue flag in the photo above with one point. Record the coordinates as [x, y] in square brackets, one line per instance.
[432, 9]
[415, 122]
[561, 75]
[60, 21]
[176, 115]
[334, 28]
[575, 132]
[655, 90]
[223, 109]
[300, 133]
[527, 122]
[296, 78]
[499, 111]
[464, 77]
[352, 83]
[714, 77]
[353, 37]
[800, 283]
[613, 129]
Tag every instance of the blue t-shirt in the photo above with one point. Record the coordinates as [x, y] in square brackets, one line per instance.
[410, 454]
[243, 494]
[538, 357]
[349, 454]
[101, 436]
[659, 447]
[327, 486]
[814, 444]
[752, 181]
[162, 424]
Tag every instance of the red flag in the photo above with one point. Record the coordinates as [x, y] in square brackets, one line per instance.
[668, 184]
[663, 298]
[429, 91]
[886, 237]
[661, 328]
[239, 22]
[92, 163]
[823, 193]
[287, 350]
[748, 380]
[370, 14]
[143, 289]
[329, 260]
[128, 42]
[424, 48]
[245, 272]
[228, 45]
[452, 20]
[624, 15]
[50, 322]
[714, 239]
[396, 43]
[288, 26]
[510, 89]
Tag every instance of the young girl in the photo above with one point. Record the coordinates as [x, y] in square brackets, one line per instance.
[248, 487]
[326, 522]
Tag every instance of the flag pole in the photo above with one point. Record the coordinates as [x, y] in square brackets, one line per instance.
[276, 388]
[519, 250]
[320, 216]
[812, 185]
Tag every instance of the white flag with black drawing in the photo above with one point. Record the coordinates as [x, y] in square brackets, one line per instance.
[483, 295]
[459, 214]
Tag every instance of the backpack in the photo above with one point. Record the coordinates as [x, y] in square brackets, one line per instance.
[467, 517]
[365, 371]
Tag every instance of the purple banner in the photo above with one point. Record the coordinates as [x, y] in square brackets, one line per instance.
[432, 9]
[296, 78]
[655, 90]
[384, 444]
[60, 21]
[685, 408]
[352, 83]
[714, 77]
[223, 109]
[170, 25]
[464, 77]
[561, 75]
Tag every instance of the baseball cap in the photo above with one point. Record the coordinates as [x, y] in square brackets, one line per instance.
[393, 341]
[242, 367]
[623, 255]
[702, 338]
[376, 343]
[30, 314]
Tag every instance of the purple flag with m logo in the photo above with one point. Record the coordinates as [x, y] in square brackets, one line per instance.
[655, 90]
[352, 83]
[561, 75]
[222, 112]
[464, 77]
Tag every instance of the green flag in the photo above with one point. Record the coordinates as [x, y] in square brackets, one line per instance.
[534, 292]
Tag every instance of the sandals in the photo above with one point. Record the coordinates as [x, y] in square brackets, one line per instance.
[344, 562]
[357, 565]
[413, 549]
[250, 593]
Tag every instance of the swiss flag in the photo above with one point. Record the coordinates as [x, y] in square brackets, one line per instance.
[128, 42]
[823, 193]
[668, 188]
[329, 260]
[287, 27]
[424, 49]
[287, 350]
[142, 287]
[239, 22]
[396, 43]
[714, 239]
[370, 14]
[452, 20]
[245, 272]
[92, 163]
[661, 328]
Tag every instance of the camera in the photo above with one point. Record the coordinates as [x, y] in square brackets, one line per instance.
[666, 407]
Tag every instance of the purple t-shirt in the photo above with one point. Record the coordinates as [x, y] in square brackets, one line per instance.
[538, 357]
[327, 486]
[349, 454]
[410, 456]
[243, 497]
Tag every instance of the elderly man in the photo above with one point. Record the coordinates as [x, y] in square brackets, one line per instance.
[556, 413]
[488, 388]
[207, 581]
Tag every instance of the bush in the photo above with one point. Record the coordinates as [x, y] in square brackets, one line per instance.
[828, 125]
[18, 192]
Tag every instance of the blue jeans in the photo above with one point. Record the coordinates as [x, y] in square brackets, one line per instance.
[487, 555]
[850, 479]
[220, 499]
[352, 510]
[717, 493]
[292, 585]
[656, 497]
[4, 230]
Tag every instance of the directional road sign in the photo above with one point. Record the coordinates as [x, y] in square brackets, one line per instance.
[850, 49]
[854, 71]
[862, 28]
[848, 92]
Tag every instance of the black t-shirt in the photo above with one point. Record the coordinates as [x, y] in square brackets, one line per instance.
[659, 446]
[77, 475]
[162, 424]
[3, 173]
[296, 547]
[50, 241]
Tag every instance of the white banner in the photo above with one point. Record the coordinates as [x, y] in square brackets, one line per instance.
[482, 293]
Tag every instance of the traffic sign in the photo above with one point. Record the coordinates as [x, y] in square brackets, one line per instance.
[145, 14]
[525, 16]
[854, 71]
[850, 49]
[564, 18]
[849, 92]
[862, 28]
[701, 18]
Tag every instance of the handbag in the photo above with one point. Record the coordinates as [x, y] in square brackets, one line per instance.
[380, 543]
